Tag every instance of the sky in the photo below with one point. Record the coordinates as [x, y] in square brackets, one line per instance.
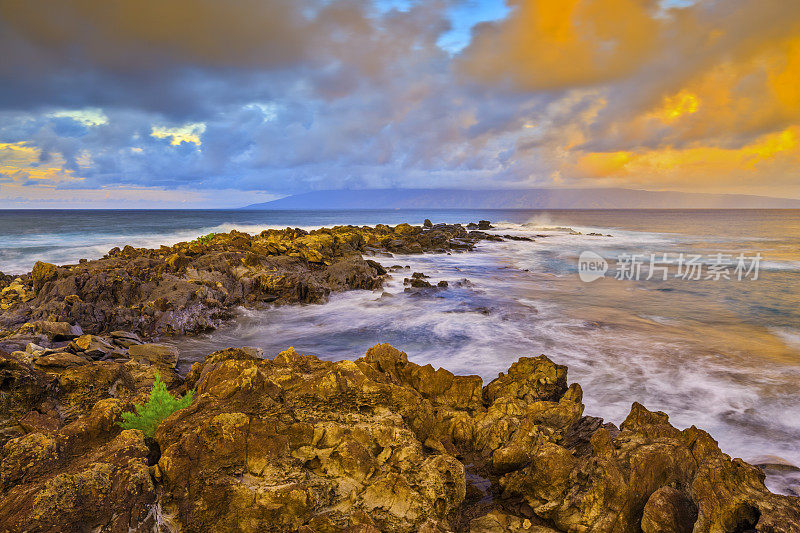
[202, 103]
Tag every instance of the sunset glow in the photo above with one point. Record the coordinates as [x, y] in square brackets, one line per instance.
[689, 96]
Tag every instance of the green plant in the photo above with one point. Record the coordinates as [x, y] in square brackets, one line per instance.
[160, 405]
[205, 239]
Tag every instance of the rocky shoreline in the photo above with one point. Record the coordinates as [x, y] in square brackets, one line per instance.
[296, 443]
[195, 286]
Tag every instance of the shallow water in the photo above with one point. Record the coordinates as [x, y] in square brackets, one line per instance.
[723, 355]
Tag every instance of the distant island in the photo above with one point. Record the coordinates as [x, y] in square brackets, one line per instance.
[598, 198]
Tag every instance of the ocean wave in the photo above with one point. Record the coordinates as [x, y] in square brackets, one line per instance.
[789, 336]
[785, 265]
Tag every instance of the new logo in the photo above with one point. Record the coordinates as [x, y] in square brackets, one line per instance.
[591, 266]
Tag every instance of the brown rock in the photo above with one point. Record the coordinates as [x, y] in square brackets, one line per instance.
[23, 388]
[59, 361]
[403, 229]
[110, 489]
[296, 443]
[309, 437]
[668, 511]
[91, 346]
[42, 273]
[500, 522]
[55, 331]
[176, 261]
[193, 287]
[154, 353]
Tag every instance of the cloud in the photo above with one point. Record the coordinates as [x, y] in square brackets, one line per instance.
[555, 45]
[185, 133]
[150, 35]
[270, 97]
[681, 96]
[90, 116]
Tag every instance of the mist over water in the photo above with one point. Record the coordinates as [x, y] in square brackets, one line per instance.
[723, 355]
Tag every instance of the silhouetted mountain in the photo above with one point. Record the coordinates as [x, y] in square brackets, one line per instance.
[521, 199]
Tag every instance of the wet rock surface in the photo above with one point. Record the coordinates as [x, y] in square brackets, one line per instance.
[295, 443]
[194, 286]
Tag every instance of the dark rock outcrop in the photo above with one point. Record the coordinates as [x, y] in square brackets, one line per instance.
[193, 286]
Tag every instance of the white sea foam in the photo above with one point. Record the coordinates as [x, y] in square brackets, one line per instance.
[789, 336]
[780, 265]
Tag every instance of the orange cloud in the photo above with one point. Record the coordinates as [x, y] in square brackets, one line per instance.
[678, 105]
[553, 45]
[21, 163]
[695, 97]
[700, 167]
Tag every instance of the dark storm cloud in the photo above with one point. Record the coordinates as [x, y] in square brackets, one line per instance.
[72, 44]
[290, 95]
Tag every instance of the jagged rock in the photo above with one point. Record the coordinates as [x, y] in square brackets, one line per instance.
[500, 522]
[314, 441]
[125, 335]
[34, 349]
[42, 273]
[60, 387]
[23, 388]
[481, 225]
[295, 443]
[55, 331]
[15, 293]
[530, 379]
[518, 238]
[91, 346]
[5, 280]
[609, 489]
[59, 361]
[125, 339]
[404, 229]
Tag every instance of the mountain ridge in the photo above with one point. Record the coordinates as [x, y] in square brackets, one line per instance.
[541, 198]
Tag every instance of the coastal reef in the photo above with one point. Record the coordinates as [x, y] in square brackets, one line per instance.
[296, 443]
[194, 286]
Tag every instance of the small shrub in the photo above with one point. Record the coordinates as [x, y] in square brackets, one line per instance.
[205, 239]
[160, 405]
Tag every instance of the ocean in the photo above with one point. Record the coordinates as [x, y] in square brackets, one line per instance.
[721, 352]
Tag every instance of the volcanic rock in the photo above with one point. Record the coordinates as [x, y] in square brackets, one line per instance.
[194, 286]
[296, 443]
